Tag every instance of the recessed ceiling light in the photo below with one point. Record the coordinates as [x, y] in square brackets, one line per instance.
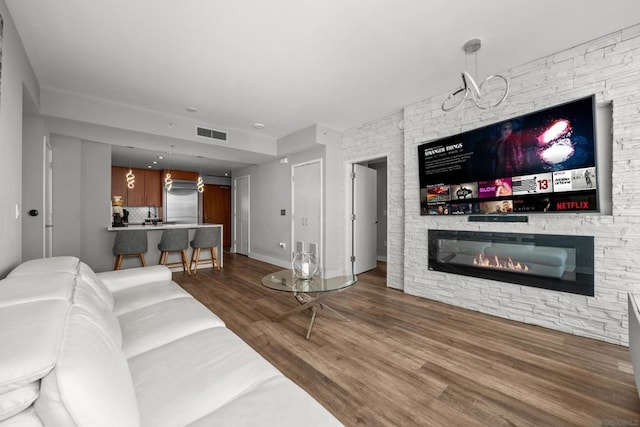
[149, 166]
[160, 157]
[154, 162]
[258, 125]
[191, 109]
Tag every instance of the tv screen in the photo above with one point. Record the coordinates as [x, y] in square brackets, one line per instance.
[539, 162]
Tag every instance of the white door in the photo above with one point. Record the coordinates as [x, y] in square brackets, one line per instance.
[242, 215]
[306, 212]
[365, 222]
[48, 200]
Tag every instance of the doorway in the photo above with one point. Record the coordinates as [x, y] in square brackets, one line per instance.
[242, 215]
[216, 209]
[47, 249]
[367, 214]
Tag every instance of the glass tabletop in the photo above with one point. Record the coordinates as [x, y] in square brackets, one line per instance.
[287, 281]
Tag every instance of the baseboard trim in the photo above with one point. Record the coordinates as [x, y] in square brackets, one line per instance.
[270, 260]
[382, 258]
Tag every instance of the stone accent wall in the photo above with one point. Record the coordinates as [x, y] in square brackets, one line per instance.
[608, 67]
[383, 138]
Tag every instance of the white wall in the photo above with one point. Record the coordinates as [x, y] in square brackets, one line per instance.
[608, 67]
[16, 75]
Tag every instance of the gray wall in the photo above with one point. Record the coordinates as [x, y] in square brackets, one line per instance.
[17, 76]
[33, 157]
[67, 186]
[95, 204]
[270, 188]
[81, 200]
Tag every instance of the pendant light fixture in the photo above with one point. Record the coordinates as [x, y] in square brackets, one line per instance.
[488, 94]
[200, 184]
[168, 182]
[131, 178]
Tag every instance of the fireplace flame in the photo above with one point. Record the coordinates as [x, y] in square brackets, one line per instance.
[495, 262]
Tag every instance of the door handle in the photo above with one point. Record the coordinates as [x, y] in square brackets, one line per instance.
[48, 225]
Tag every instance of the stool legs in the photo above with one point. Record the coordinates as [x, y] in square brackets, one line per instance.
[164, 258]
[119, 258]
[214, 258]
[195, 258]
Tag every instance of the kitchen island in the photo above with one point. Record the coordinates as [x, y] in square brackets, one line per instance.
[154, 235]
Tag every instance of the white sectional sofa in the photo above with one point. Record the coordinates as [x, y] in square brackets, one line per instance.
[130, 348]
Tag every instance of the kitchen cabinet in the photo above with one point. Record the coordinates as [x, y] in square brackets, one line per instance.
[183, 175]
[136, 195]
[153, 187]
[119, 183]
[216, 209]
[147, 189]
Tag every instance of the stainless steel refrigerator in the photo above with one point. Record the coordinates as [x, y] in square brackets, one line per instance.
[181, 203]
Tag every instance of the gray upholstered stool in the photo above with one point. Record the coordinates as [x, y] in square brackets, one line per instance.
[205, 238]
[174, 241]
[130, 243]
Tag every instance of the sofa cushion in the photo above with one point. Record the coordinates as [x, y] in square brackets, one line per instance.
[18, 399]
[187, 379]
[84, 296]
[26, 288]
[137, 297]
[67, 264]
[91, 384]
[275, 402]
[30, 340]
[92, 279]
[122, 279]
[26, 418]
[159, 324]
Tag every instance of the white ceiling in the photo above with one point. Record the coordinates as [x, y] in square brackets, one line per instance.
[291, 63]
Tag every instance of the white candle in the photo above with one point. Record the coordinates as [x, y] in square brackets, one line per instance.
[305, 268]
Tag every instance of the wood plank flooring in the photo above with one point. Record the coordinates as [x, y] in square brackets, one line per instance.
[408, 361]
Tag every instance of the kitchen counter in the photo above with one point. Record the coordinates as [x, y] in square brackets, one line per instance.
[151, 227]
[154, 235]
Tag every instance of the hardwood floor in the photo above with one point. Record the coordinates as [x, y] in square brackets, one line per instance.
[403, 360]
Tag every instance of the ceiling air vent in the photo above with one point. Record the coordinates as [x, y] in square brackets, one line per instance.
[210, 133]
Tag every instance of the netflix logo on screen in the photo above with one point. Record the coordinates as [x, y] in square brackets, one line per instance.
[575, 203]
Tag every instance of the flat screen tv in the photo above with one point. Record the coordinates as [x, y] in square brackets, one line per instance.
[540, 162]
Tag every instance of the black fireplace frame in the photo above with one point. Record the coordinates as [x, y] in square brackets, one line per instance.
[582, 279]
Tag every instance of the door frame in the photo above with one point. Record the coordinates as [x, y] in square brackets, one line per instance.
[349, 206]
[47, 199]
[321, 242]
[235, 213]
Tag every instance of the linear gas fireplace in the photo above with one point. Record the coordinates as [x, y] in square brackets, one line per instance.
[557, 262]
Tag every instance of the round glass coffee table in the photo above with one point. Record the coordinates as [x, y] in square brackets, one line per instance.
[310, 293]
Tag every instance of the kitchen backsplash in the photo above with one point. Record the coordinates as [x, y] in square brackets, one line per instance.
[140, 214]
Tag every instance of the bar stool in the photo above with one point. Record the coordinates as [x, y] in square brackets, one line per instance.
[205, 238]
[130, 243]
[174, 241]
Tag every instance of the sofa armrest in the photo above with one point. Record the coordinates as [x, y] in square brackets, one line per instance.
[123, 279]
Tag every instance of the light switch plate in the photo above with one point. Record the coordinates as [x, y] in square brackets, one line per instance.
[17, 211]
